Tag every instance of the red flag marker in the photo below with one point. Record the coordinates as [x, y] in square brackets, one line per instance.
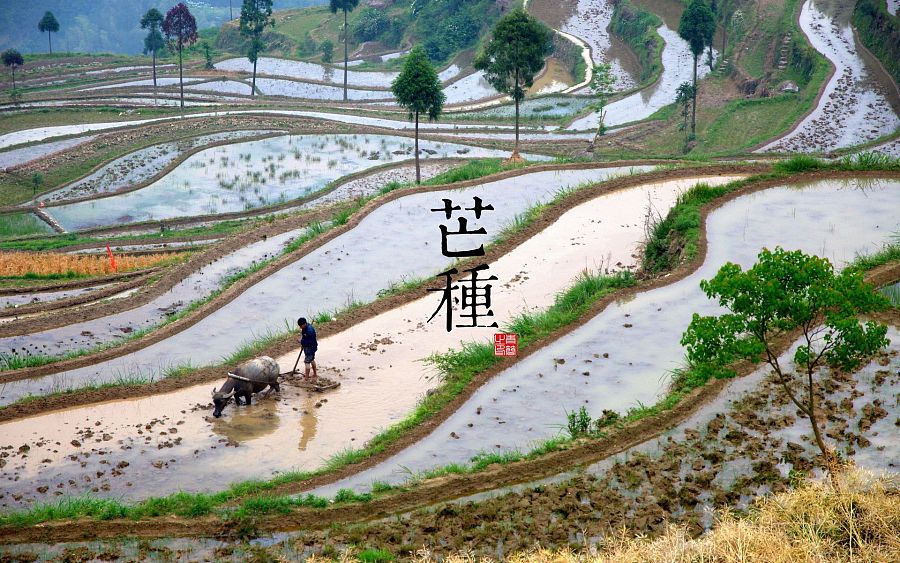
[112, 259]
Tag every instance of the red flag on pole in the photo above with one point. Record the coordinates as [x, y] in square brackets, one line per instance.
[112, 259]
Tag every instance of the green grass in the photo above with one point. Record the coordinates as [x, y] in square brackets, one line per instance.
[673, 239]
[54, 242]
[475, 169]
[19, 224]
[375, 556]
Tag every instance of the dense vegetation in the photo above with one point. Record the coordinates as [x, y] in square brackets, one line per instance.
[637, 27]
[109, 26]
[880, 33]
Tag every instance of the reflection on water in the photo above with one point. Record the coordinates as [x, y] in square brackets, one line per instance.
[248, 422]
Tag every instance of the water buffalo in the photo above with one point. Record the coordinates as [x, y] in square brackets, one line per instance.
[249, 378]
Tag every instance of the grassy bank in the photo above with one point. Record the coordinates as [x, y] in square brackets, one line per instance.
[880, 33]
[637, 27]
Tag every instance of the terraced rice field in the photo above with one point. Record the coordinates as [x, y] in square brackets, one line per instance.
[229, 225]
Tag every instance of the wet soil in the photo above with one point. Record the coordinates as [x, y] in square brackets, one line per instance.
[531, 470]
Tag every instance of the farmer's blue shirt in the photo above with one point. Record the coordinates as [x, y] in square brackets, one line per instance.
[308, 337]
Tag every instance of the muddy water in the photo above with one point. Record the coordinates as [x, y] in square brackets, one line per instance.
[678, 67]
[41, 133]
[309, 71]
[159, 82]
[27, 154]
[590, 21]
[600, 367]
[221, 87]
[471, 88]
[329, 278]
[17, 299]
[377, 361]
[855, 107]
[242, 176]
[310, 91]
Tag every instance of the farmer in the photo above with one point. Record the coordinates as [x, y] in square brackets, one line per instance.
[309, 344]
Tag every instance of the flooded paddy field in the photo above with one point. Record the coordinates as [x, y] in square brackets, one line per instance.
[28, 154]
[336, 276]
[377, 361]
[855, 106]
[677, 62]
[243, 176]
[594, 366]
[140, 166]
[590, 21]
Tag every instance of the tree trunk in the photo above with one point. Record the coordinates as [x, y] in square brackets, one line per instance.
[230, 11]
[694, 102]
[418, 170]
[50, 41]
[347, 38]
[253, 87]
[154, 72]
[711, 65]
[812, 419]
[181, 76]
[515, 95]
[14, 77]
[724, 40]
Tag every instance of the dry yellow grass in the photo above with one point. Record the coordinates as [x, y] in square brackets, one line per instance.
[856, 519]
[16, 264]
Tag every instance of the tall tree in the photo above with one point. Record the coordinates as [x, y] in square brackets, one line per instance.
[256, 15]
[152, 20]
[602, 83]
[49, 24]
[514, 55]
[419, 90]
[12, 59]
[346, 6]
[787, 291]
[180, 29]
[697, 27]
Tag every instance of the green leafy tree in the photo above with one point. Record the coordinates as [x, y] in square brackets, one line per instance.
[256, 16]
[180, 30]
[514, 55]
[697, 27]
[419, 90]
[12, 59]
[37, 180]
[787, 291]
[327, 48]
[602, 85]
[346, 6]
[207, 54]
[49, 24]
[154, 42]
[683, 97]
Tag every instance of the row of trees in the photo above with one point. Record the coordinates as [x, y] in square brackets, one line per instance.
[178, 29]
[512, 57]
